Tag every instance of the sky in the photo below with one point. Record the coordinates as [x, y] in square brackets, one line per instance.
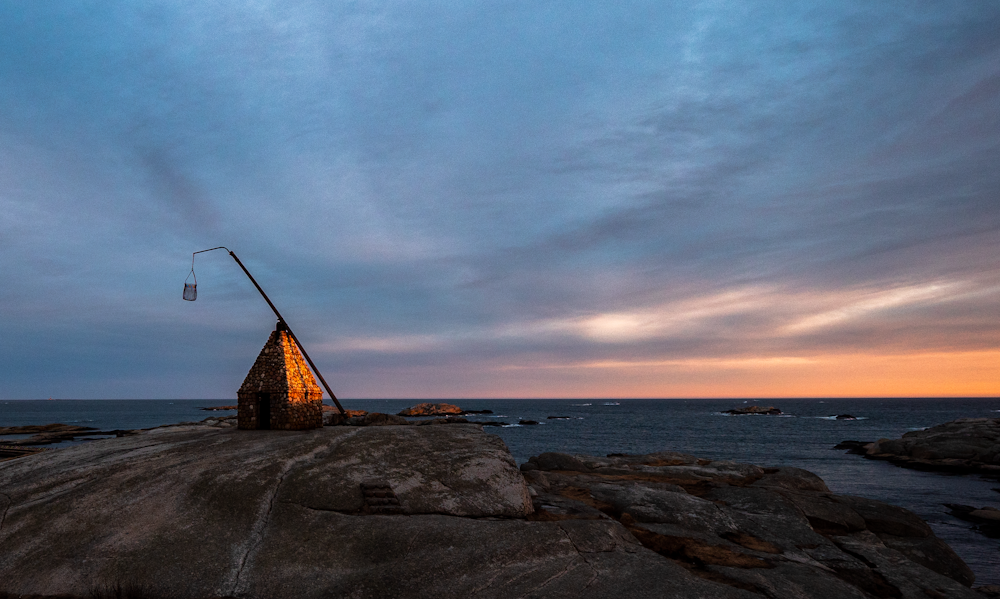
[452, 199]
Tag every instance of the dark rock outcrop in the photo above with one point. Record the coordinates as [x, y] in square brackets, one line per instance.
[967, 445]
[37, 429]
[855, 447]
[775, 531]
[754, 410]
[333, 417]
[205, 510]
[986, 519]
[362, 418]
[49, 434]
[448, 420]
[9, 452]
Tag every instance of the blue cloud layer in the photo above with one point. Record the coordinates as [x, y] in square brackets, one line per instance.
[430, 186]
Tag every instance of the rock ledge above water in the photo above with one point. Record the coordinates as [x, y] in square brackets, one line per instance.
[200, 511]
[966, 445]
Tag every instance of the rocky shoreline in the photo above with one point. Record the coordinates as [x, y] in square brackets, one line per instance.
[381, 509]
[47, 434]
[986, 519]
[963, 446]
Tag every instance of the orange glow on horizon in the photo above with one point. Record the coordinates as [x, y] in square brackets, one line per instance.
[939, 374]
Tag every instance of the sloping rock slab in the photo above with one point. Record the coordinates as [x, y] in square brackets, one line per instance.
[438, 556]
[186, 508]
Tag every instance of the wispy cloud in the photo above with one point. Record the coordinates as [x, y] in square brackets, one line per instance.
[440, 188]
[872, 303]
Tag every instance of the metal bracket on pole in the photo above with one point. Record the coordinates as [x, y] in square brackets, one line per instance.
[282, 321]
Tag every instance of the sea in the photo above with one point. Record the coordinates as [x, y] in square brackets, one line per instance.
[803, 436]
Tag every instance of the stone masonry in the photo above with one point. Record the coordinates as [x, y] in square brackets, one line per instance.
[280, 385]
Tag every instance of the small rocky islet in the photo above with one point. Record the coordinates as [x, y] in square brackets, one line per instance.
[754, 411]
[376, 505]
[439, 409]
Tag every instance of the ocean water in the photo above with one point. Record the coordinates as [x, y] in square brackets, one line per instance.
[803, 437]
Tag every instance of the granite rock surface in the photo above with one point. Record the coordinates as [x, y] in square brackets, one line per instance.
[199, 511]
[777, 532]
[966, 445]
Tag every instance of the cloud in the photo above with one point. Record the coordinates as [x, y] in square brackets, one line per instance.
[424, 188]
[879, 301]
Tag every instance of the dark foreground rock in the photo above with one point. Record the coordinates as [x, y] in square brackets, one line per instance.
[967, 445]
[778, 532]
[754, 410]
[206, 510]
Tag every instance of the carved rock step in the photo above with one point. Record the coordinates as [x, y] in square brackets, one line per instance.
[380, 499]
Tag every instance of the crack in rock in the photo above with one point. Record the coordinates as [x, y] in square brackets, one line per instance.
[569, 567]
[264, 513]
[3, 517]
[593, 570]
[508, 582]
[488, 584]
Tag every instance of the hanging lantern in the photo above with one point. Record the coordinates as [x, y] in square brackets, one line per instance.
[191, 289]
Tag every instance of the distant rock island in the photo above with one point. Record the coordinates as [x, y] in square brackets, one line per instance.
[383, 510]
[439, 409]
[432, 409]
[963, 446]
[754, 410]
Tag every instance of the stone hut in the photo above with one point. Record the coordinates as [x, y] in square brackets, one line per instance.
[279, 392]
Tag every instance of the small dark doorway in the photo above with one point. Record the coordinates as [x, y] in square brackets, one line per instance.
[264, 411]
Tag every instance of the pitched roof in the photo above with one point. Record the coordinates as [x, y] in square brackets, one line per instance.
[280, 367]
